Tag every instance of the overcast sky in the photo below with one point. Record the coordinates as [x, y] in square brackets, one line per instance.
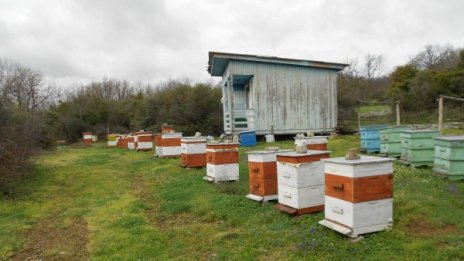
[153, 40]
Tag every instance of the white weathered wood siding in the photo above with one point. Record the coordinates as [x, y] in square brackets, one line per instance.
[289, 98]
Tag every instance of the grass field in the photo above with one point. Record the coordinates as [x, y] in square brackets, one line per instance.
[112, 204]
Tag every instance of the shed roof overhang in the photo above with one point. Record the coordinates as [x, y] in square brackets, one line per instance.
[218, 61]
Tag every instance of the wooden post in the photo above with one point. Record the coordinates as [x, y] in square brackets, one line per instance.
[359, 116]
[398, 119]
[440, 114]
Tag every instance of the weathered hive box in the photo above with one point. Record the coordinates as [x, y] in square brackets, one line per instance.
[312, 143]
[300, 179]
[390, 140]
[193, 152]
[370, 138]
[262, 173]
[222, 162]
[418, 147]
[358, 195]
[169, 144]
[144, 140]
[112, 140]
[449, 157]
[87, 138]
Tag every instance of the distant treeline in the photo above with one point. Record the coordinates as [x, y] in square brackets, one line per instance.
[34, 115]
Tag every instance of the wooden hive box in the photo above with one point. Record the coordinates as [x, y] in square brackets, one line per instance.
[222, 162]
[111, 139]
[370, 137]
[449, 157]
[390, 141]
[300, 179]
[167, 128]
[144, 141]
[358, 195]
[87, 138]
[262, 173]
[193, 152]
[312, 143]
[169, 145]
[418, 147]
[131, 142]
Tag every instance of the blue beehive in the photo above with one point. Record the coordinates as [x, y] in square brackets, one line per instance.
[248, 138]
[370, 138]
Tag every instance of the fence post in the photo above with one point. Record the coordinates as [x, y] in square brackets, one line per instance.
[398, 119]
[440, 113]
[359, 116]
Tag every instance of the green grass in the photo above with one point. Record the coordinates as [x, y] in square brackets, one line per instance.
[375, 108]
[136, 207]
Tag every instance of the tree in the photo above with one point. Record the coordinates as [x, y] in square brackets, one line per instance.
[435, 57]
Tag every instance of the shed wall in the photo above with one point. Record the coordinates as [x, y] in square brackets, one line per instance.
[290, 98]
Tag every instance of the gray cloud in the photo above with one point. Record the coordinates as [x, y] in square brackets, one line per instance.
[152, 41]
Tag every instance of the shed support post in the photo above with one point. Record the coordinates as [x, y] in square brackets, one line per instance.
[440, 114]
[398, 119]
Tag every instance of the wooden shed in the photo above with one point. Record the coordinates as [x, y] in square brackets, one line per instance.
[279, 95]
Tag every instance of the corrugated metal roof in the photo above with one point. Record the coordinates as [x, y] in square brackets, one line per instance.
[218, 61]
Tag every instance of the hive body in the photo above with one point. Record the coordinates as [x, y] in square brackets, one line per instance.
[168, 144]
[370, 137]
[390, 141]
[358, 195]
[312, 143]
[193, 152]
[222, 162]
[418, 147]
[300, 178]
[449, 157]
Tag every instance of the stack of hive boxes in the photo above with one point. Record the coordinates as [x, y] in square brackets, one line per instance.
[300, 179]
[168, 142]
[262, 173]
[144, 140]
[449, 157]
[131, 145]
[390, 141]
[312, 142]
[418, 147]
[193, 151]
[87, 138]
[370, 138]
[112, 140]
[222, 162]
[358, 194]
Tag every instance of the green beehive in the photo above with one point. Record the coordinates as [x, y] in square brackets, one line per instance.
[449, 157]
[418, 147]
[390, 141]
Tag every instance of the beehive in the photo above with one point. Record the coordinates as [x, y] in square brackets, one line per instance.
[390, 140]
[144, 141]
[418, 147]
[449, 157]
[168, 144]
[358, 195]
[370, 139]
[312, 143]
[87, 138]
[262, 173]
[166, 128]
[193, 152]
[111, 140]
[131, 142]
[222, 162]
[300, 179]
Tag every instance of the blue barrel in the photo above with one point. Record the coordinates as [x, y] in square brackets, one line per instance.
[248, 138]
[370, 137]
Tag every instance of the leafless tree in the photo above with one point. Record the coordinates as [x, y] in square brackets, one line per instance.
[436, 57]
[373, 66]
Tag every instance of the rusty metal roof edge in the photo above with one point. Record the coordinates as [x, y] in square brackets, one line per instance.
[273, 59]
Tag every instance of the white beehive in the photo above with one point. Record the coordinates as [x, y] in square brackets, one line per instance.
[169, 144]
[222, 162]
[358, 195]
[300, 178]
[313, 142]
[193, 151]
[143, 140]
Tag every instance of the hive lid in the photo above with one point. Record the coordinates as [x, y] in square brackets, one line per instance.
[451, 138]
[269, 152]
[362, 160]
[308, 153]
